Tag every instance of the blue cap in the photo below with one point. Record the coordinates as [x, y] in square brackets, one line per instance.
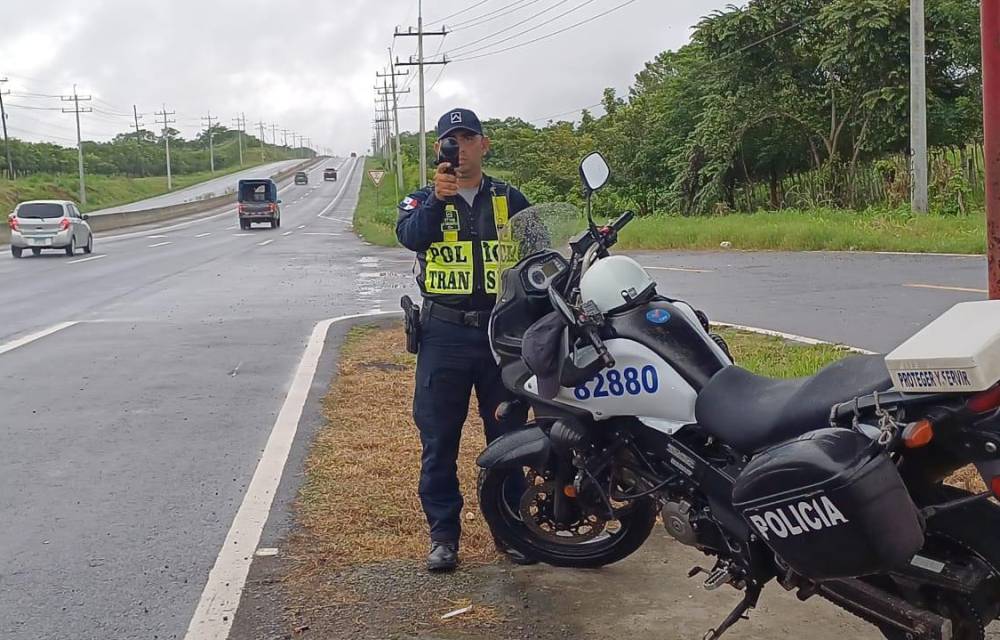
[458, 120]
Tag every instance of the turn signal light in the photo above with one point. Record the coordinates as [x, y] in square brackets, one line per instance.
[570, 490]
[995, 486]
[918, 434]
[14, 226]
[985, 401]
[64, 224]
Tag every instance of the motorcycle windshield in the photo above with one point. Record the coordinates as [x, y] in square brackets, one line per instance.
[538, 228]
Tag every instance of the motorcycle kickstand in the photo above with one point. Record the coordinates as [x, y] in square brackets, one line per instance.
[748, 602]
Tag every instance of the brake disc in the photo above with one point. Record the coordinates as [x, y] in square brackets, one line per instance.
[537, 510]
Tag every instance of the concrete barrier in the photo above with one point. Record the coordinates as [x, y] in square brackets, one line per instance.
[108, 221]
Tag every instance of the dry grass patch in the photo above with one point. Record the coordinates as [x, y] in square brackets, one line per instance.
[359, 503]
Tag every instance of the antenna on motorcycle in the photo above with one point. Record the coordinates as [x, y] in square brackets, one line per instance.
[594, 173]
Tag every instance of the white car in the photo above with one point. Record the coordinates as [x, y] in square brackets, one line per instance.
[49, 224]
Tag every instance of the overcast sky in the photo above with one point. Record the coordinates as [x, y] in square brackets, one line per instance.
[309, 66]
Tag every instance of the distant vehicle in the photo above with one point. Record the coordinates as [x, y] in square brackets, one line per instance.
[330, 174]
[49, 224]
[354, 155]
[258, 202]
[301, 177]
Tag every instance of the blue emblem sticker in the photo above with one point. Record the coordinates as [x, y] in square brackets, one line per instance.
[658, 316]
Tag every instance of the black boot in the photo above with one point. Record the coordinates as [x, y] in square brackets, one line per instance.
[443, 557]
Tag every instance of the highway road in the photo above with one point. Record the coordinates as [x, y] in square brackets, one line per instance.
[141, 384]
[208, 189]
[129, 437]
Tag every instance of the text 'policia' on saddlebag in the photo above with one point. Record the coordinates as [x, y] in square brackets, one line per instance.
[831, 504]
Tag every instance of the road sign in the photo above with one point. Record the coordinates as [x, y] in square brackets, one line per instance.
[376, 176]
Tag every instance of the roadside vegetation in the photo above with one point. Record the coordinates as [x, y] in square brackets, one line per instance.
[779, 126]
[124, 170]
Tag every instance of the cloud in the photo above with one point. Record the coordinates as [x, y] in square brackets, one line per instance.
[310, 66]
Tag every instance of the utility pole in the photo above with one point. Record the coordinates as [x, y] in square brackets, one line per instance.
[990, 17]
[420, 64]
[75, 99]
[211, 146]
[239, 136]
[393, 74]
[284, 137]
[382, 109]
[6, 142]
[918, 109]
[138, 140]
[261, 125]
[166, 140]
[274, 134]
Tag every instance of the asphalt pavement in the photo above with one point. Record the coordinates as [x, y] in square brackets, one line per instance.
[129, 437]
[208, 189]
[140, 384]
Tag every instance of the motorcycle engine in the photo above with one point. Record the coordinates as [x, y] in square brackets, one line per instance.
[677, 520]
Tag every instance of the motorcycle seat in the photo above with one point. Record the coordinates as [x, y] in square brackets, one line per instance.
[751, 412]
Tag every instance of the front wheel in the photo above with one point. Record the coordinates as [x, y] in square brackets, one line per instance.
[593, 539]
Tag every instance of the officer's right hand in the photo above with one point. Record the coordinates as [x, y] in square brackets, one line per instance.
[445, 184]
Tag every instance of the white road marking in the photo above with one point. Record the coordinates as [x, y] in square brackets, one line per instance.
[235, 226]
[302, 226]
[339, 196]
[940, 287]
[288, 233]
[155, 237]
[319, 233]
[789, 336]
[98, 257]
[202, 235]
[20, 342]
[241, 235]
[213, 617]
[680, 269]
[265, 243]
[159, 244]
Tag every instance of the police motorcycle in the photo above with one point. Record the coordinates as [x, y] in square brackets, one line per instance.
[830, 486]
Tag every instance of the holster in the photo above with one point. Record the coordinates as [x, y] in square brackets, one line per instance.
[411, 323]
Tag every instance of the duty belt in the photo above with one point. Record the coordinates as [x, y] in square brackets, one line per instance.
[475, 319]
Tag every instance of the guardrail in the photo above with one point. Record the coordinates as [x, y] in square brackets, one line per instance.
[108, 221]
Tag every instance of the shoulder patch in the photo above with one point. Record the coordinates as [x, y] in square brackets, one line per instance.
[410, 203]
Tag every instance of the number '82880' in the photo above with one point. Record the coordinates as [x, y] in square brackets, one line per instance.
[616, 383]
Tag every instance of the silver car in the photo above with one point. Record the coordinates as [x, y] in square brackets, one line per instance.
[49, 224]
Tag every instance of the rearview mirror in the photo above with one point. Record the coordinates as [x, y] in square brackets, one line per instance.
[279, 201]
[594, 171]
[85, 217]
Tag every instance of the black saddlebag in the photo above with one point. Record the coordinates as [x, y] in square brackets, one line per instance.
[831, 504]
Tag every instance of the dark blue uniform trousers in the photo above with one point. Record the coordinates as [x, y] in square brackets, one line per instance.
[453, 360]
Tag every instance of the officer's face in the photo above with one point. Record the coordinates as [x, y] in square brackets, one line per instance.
[472, 149]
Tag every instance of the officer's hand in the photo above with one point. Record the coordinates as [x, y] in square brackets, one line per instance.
[445, 184]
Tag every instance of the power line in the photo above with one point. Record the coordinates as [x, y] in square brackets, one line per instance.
[517, 24]
[461, 11]
[492, 15]
[18, 105]
[565, 113]
[549, 35]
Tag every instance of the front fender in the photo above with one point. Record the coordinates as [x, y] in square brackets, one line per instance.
[529, 447]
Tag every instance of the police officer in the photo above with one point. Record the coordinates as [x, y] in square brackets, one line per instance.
[453, 228]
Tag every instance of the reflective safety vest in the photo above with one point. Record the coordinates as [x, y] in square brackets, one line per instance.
[461, 266]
